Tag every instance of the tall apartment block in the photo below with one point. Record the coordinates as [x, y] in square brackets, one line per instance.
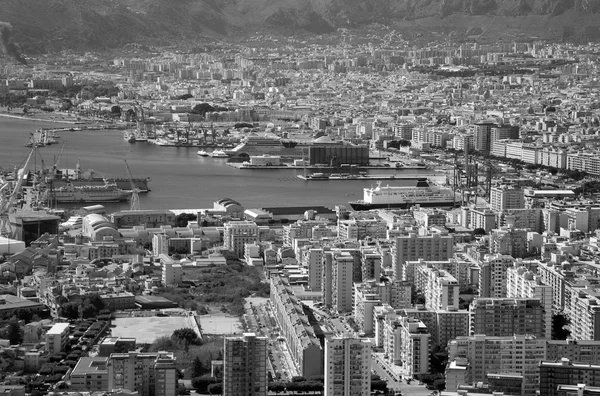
[342, 269]
[370, 264]
[509, 241]
[237, 234]
[245, 366]
[406, 341]
[150, 374]
[506, 197]
[412, 247]
[440, 288]
[507, 316]
[487, 359]
[483, 136]
[522, 283]
[347, 366]
[315, 269]
[492, 276]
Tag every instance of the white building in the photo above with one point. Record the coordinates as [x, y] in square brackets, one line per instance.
[57, 338]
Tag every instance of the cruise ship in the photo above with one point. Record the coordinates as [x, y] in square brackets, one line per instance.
[419, 191]
[261, 145]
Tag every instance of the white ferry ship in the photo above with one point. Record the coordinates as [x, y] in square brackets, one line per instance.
[419, 191]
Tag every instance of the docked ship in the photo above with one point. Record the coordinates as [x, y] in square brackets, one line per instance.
[108, 192]
[219, 154]
[265, 145]
[418, 191]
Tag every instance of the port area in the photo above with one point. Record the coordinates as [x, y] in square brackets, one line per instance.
[362, 177]
[245, 165]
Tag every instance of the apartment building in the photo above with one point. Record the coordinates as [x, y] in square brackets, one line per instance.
[370, 264]
[506, 197]
[487, 356]
[492, 276]
[412, 247]
[90, 375]
[407, 344]
[581, 351]
[245, 365]
[366, 298]
[522, 283]
[509, 241]
[359, 229]
[314, 262]
[302, 342]
[57, 338]
[237, 234]
[347, 366]
[149, 374]
[439, 287]
[564, 377]
[507, 316]
[342, 269]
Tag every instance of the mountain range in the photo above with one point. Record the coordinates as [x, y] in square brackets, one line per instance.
[48, 25]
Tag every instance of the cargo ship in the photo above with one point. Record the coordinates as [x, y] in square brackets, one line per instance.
[419, 191]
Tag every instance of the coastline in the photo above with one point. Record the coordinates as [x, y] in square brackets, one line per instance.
[26, 118]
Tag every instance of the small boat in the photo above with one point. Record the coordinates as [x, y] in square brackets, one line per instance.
[202, 153]
[219, 154]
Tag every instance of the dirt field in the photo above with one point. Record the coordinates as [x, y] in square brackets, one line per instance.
[146, 330]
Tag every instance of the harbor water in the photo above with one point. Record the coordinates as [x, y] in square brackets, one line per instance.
[180, 178]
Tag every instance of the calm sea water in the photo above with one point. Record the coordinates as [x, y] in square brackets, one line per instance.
[180, 178]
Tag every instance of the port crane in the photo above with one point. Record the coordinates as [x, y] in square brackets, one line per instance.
[135, 192]
[7, 202]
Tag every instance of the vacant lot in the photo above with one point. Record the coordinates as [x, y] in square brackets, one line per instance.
[146, 330]
[215, 324]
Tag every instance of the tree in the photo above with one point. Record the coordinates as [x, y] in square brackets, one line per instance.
[298, 379]
[560, 330]
[215, 389]
[162, 344]
[183, 338]
[202, 109]
[479, 232]
[182, 219]
[15, 336]
[201, 383]
[198, 367]
[379, 385]
[116, 110]
[276, 387]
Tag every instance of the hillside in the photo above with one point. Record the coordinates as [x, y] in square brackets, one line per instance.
[47, 25]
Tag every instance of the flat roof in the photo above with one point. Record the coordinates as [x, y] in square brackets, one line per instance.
[14, 302]
[58, 328]
[87, 365]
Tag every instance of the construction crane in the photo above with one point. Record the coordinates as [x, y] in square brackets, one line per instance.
[7, 203]
[57, 161]
[135, 192]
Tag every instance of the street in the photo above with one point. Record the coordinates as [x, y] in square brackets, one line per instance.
[414, 389]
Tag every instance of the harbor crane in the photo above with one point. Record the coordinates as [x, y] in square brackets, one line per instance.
[7, 202]
[57, 161]
[134, 201]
